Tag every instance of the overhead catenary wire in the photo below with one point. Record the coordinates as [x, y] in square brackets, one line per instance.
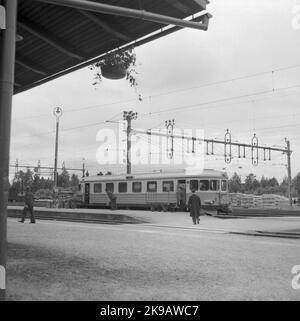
[197, 105]
[175, 90]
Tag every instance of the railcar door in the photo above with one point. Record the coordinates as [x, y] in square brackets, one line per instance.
[181, 193]
[87, 193]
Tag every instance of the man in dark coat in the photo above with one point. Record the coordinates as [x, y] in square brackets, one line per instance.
[181, 197]
[112, 199]
[194, 206]
[29, 200]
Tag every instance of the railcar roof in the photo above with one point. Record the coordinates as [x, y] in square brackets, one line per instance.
[55, 39]
[207, 173]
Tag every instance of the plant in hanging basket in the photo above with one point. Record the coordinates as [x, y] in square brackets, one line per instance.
[116, 64]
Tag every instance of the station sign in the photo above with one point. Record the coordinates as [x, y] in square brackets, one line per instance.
[2, 18]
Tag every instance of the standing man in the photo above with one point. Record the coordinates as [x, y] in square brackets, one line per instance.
[181, 197]
[194, 206]
[112, 199]
[29, 201]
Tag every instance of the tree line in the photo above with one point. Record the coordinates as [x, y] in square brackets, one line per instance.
[39, 184]
[253, 185]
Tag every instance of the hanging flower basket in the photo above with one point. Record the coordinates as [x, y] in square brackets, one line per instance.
[117, 64]
[113, 71]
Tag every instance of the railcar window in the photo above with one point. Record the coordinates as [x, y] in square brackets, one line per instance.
[168, 186]
[109, 187]
[214, 185]
[98, 188]
[204, 185]
[194, 185]
[122, 187]
[137, 187]
[224, 185]
[152, 187]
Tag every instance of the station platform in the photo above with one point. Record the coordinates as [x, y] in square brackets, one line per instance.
[278, 225]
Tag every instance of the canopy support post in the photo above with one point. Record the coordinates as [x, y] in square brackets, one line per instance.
[7, 66]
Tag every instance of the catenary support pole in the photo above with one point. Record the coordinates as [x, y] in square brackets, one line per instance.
[128, 146]
[289, 172]
[128, 117]
[7, 63]
[83, 167]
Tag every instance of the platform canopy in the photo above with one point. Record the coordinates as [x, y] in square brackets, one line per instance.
[56, 37]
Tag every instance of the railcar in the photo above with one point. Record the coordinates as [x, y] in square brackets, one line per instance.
[158, 191]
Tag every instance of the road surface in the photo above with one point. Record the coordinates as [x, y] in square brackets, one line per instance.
[77, 261]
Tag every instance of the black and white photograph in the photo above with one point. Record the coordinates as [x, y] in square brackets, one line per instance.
[149, 153]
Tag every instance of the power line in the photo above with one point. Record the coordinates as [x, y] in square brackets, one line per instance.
[271, 72]
[218, 101]
[150, 114]
[66, 129]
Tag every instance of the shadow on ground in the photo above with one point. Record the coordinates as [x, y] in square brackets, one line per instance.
[36, 273]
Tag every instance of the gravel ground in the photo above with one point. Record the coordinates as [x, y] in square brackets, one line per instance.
[74, 261]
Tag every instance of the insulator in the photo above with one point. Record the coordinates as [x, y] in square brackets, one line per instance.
[227, 147]
[254, 150]
[170, 139]
[193, 145]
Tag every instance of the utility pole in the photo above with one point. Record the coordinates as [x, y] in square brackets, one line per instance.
[39, 168]
[298, 189]
[129, 116]
[16, 167]
[57, 113]
[83, 167]
[289, 169]
[7, 65]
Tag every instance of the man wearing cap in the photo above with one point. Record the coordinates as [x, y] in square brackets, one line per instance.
[29, 200]
[194, 206]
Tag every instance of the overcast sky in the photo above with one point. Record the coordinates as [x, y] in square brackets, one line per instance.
[244, 38]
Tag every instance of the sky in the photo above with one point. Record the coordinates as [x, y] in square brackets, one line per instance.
[242, 75]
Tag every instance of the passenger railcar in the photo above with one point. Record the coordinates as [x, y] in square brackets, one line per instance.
[157, 191]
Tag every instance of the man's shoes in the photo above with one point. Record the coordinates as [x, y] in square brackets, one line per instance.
[32, 222]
